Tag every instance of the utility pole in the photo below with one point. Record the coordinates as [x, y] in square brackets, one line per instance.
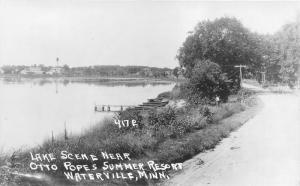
[57, 60]
[241, 73]
[263, 77]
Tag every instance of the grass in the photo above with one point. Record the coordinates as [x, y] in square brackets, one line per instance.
[193, 143]
[167, 135]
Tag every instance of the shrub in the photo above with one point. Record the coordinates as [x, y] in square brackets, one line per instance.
[169, 122]
[179, 127]
[161, 117]
[206, 83]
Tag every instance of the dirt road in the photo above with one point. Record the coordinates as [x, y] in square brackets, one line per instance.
[265, 151]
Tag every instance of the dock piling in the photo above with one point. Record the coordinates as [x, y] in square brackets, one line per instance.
[151, 104]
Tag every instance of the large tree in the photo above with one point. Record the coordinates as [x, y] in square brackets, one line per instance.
[266, 48]
[281, 54]
[224, 41]
[288, 47]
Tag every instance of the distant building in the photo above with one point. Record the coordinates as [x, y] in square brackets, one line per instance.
[168, 73]
[32, 71]
[1, 71]
[55, 70]
[24, 71]
[147, 72]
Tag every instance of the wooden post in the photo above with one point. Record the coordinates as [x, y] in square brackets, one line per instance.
[241, 73]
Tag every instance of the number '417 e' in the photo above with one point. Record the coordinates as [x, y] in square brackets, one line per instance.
[125, 123]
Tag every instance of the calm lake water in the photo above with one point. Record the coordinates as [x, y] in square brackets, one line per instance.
[30, 110]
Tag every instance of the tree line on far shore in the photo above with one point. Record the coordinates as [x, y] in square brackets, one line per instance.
[98, 70]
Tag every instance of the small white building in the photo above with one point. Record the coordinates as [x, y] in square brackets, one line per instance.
[1, 71]
[55, 70]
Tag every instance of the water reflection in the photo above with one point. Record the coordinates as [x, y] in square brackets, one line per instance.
[130, 82]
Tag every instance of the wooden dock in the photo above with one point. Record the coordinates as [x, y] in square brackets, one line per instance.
[151, 104]
[111, 108]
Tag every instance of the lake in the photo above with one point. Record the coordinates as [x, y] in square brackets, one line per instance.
[31, 109]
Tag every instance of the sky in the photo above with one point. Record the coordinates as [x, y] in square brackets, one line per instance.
[95, 32]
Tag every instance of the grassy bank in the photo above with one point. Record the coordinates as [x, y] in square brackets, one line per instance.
[167, 135]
